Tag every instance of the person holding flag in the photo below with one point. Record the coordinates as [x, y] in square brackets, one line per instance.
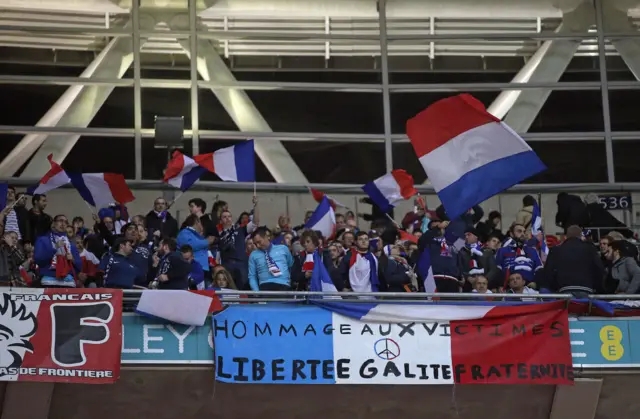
[57, 257]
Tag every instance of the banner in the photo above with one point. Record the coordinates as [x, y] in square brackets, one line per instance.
[60, 335]
[147, 340]
[311, 345]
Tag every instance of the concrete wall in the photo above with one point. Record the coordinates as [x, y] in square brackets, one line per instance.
[68, 202]
[192, 393]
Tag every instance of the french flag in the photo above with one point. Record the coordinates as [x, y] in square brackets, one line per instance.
[102, 189]
[190, 308]
[323, 219]
[182, 171]
[53, 179]
[390, 189]
[320, 278]
[536, 227]
[441, 311]
[469, 155]
[319, 195]
[233, 164]
[426, 271]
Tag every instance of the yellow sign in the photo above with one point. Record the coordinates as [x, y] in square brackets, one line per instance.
[611, 338]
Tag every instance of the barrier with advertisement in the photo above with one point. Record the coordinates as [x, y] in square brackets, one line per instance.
[605, 343]
[60, 335]
[152, 341]
[311, 345]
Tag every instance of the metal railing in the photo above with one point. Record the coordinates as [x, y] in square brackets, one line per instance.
[302, 297]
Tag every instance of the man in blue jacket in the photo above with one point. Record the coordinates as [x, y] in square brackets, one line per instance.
[119, 272]
[270, 264]
[57, 256]
[140, 256]
[191, 235]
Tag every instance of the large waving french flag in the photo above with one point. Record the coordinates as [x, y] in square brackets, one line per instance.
[233, 164]
[469, 155]
[323, 219]
[388, 190]
[182, 171]
[102, 189]
[53, 179]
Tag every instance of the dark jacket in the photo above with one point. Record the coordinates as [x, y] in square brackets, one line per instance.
[600, 217]
[141, 259]
[10, 260]
[177, 269]
[444, 259]
[167, 228]
[298, 280]
[394, 275]
[574, 266]
[39, 224]
[119, 272]
[487, 262]
[571, 211]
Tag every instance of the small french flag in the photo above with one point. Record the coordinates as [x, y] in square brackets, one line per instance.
[213, 262]
[318, 195]
[233, 164]
[469, 155]
[390, 189]
[536, 227]
[182, 171]
[53, 179]
[307, 265]
[426, 271]
[102, 189]
[190, 308]
[323, 219]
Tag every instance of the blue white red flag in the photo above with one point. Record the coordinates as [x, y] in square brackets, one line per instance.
[536, 227]
[53, 179]
[184, 307]
[233, 164]
[323, 219]
[182, 171]
[469, 155]
[102, 189]
[388, 190]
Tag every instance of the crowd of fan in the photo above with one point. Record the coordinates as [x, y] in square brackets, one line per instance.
[219, 250]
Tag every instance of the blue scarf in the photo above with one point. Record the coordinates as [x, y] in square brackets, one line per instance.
[273, 267]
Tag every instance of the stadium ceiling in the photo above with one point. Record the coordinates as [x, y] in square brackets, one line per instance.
[304, 28]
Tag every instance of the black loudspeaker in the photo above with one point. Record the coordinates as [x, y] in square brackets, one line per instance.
[169, 132]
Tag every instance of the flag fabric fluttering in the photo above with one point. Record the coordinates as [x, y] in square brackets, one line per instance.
[536, 227]
[440, 311]
[102, 189]
[469, 155]
[233, 164]
[426, 271]
[320, 278]
[190, 308]
[319, 195]
[53, 179]
[323, 219]
[182, 171]
[388, 190]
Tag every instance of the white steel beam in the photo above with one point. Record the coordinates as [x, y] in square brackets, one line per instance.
[507, 98]
[242, 110]
[628, 48]
[556, 57]
[76, 108]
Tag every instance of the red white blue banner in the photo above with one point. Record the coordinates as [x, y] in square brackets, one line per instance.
[60, 335]
[370, 343]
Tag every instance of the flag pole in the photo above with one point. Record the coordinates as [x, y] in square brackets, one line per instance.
[173, 201]
[254, 188]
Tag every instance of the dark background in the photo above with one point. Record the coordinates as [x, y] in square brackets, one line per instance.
[332, 112]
